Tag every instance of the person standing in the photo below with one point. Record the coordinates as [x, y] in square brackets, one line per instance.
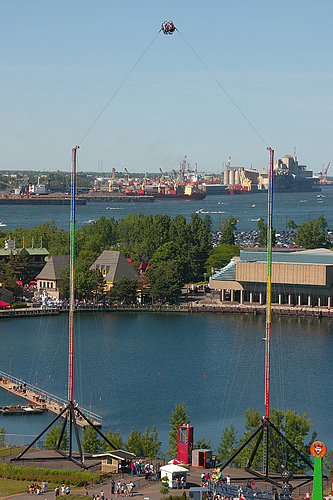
[112, 486]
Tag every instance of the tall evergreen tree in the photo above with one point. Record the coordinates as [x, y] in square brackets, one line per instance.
[179, 417]
[90, 441]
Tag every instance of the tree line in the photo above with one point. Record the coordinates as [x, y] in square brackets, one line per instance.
[295, 427]
[177, 251]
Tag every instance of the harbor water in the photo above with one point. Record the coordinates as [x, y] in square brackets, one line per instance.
[133, 368]
[247, 209]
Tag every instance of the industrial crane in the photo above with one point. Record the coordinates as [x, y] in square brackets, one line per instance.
[245, 181]
[144, 181]
[161, 180]
[324, 173]
[112, 179]
[128, 175]
[322, 176]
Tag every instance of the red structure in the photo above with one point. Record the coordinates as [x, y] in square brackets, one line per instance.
[185, 443]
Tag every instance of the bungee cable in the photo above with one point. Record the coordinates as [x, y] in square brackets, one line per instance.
[118, 88]
[224, 90]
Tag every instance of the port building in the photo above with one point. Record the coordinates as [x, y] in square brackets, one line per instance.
[299, 278]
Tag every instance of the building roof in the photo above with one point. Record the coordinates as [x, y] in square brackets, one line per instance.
[31, 251]
[117, 454]
[54, 267]
[314, 256]
[114, 266]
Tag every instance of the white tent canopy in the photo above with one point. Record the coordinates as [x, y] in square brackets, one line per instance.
[172, 471]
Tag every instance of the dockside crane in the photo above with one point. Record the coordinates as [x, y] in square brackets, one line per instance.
[323, 175]
[111, 180]
[128, 176]
[144, 182]
[160, 181]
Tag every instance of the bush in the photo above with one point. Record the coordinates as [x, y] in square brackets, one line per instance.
[38, 474]
[164, 489]
[19, 305]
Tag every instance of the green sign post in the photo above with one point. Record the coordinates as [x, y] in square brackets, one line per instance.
[318, 451]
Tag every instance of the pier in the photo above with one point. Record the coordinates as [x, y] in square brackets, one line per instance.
[42, 400]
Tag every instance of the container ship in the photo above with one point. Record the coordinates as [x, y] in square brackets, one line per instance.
[186, 191]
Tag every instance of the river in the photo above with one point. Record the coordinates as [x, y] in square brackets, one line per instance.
[134, 368]
[246, 208]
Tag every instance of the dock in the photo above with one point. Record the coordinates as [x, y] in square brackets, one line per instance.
[41, 400]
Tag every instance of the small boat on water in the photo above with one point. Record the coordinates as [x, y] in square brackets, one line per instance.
[19, 410]
[2, 224]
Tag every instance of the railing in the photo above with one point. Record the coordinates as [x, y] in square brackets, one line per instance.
[51, 398]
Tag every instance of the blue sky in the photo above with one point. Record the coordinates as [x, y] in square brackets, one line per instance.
[62, 61]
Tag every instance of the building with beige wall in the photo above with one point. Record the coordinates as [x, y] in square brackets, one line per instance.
[303, 277]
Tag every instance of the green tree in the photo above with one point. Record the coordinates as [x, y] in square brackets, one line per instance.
[90, 441]
[262, 236]
[164, 281]
[312, 234]
[151, 446]
[198, 246]
[202, 444]
[126, 290]
[227, 228]
[114, 438]
[293, 426]
[178, 417]
[220, 256]
[228, 444]
[2, 436]
[52, 438]
[170, 251]
[134, 443]
[291, 224]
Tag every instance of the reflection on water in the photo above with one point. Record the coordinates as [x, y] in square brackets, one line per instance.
[134, 368]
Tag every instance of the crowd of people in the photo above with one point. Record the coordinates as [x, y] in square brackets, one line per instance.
[140, 468]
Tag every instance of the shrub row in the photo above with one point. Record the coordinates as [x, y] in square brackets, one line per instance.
[39, 474]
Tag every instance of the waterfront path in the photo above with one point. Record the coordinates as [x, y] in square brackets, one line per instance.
[196, 305]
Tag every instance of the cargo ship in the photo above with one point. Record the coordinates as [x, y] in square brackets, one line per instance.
[186, 192]
[238, 189]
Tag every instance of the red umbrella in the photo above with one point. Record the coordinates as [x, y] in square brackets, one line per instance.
[4, 304]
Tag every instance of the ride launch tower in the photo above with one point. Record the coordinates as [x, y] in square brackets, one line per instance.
[185, 443]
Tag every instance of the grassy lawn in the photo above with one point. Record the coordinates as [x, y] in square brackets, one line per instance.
[13, 487]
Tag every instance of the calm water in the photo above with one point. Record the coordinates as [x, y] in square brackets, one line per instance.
[134, 368]
[247, 209]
